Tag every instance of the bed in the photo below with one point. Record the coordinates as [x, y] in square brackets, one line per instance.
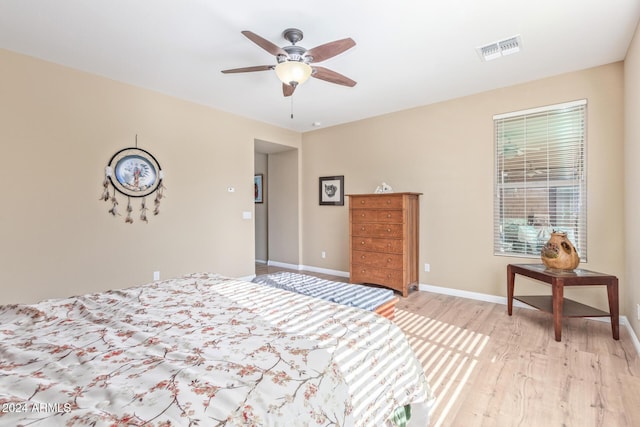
[379, 300]
[204, 350]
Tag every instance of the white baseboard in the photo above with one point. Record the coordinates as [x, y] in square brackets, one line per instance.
[309, 268]
[325, 271]
[634, 337]
[284, 265]
[503, 300]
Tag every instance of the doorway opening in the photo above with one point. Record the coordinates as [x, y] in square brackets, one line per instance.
[277, 217]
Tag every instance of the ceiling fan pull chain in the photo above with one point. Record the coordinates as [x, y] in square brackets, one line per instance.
[291, 107]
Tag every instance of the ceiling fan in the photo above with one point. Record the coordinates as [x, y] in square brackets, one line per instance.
[293, 62]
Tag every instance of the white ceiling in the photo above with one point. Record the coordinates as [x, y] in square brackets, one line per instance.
[408, 53]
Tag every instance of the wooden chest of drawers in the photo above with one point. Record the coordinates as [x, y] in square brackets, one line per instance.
[383, 230]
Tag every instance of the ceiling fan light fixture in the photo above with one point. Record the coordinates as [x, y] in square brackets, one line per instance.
[293, 73]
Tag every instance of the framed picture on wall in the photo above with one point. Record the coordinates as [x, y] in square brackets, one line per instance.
[257, 188]
[332, 190]
[135, 172]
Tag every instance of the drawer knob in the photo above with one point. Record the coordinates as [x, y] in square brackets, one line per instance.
[362, 243]
[362, 228]
[388, 259]
[363, 256]
[388, 215]
[388, 276]
[362, 215]
[388, 202]
[388, 230]
[362, 202]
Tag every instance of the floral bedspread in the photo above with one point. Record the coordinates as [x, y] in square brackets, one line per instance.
[202, 350]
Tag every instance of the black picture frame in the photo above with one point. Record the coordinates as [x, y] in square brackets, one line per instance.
[331, 190]
[258, 188]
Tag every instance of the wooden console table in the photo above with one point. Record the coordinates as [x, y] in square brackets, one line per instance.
[556, 303]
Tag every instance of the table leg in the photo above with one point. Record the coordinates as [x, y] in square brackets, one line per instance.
[612, 293]
[510, 285]
[557, 289]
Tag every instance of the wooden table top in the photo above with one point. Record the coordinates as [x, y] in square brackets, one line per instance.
[556, 273]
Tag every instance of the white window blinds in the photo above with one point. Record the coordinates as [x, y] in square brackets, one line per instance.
[540, 178]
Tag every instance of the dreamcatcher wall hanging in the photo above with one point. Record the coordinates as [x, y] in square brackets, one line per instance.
[134, 173]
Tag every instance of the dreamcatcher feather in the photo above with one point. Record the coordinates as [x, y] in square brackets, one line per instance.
[134, 173]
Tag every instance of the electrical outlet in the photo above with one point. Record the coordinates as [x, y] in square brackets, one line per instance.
[427, 267]
[156, 275]
[323, 254]
[638, 311]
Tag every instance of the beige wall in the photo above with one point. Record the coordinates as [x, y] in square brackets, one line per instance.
[261, 218]
[445, 151]
[632, 180]
[284, 207]
[58, 129]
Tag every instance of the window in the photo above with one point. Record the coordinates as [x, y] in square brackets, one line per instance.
[540, 179]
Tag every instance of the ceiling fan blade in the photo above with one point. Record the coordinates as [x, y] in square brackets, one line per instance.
[331, 76]
[331, 49]
[287, 90]
[264, 43]
[249, 69]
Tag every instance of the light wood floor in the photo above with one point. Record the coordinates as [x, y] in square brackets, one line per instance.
[490, 369]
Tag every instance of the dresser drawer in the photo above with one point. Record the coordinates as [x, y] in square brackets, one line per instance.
[376, 202]
[376, 275]
[377, 245]
[377, 230]
[380, 215]
[377, 259]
